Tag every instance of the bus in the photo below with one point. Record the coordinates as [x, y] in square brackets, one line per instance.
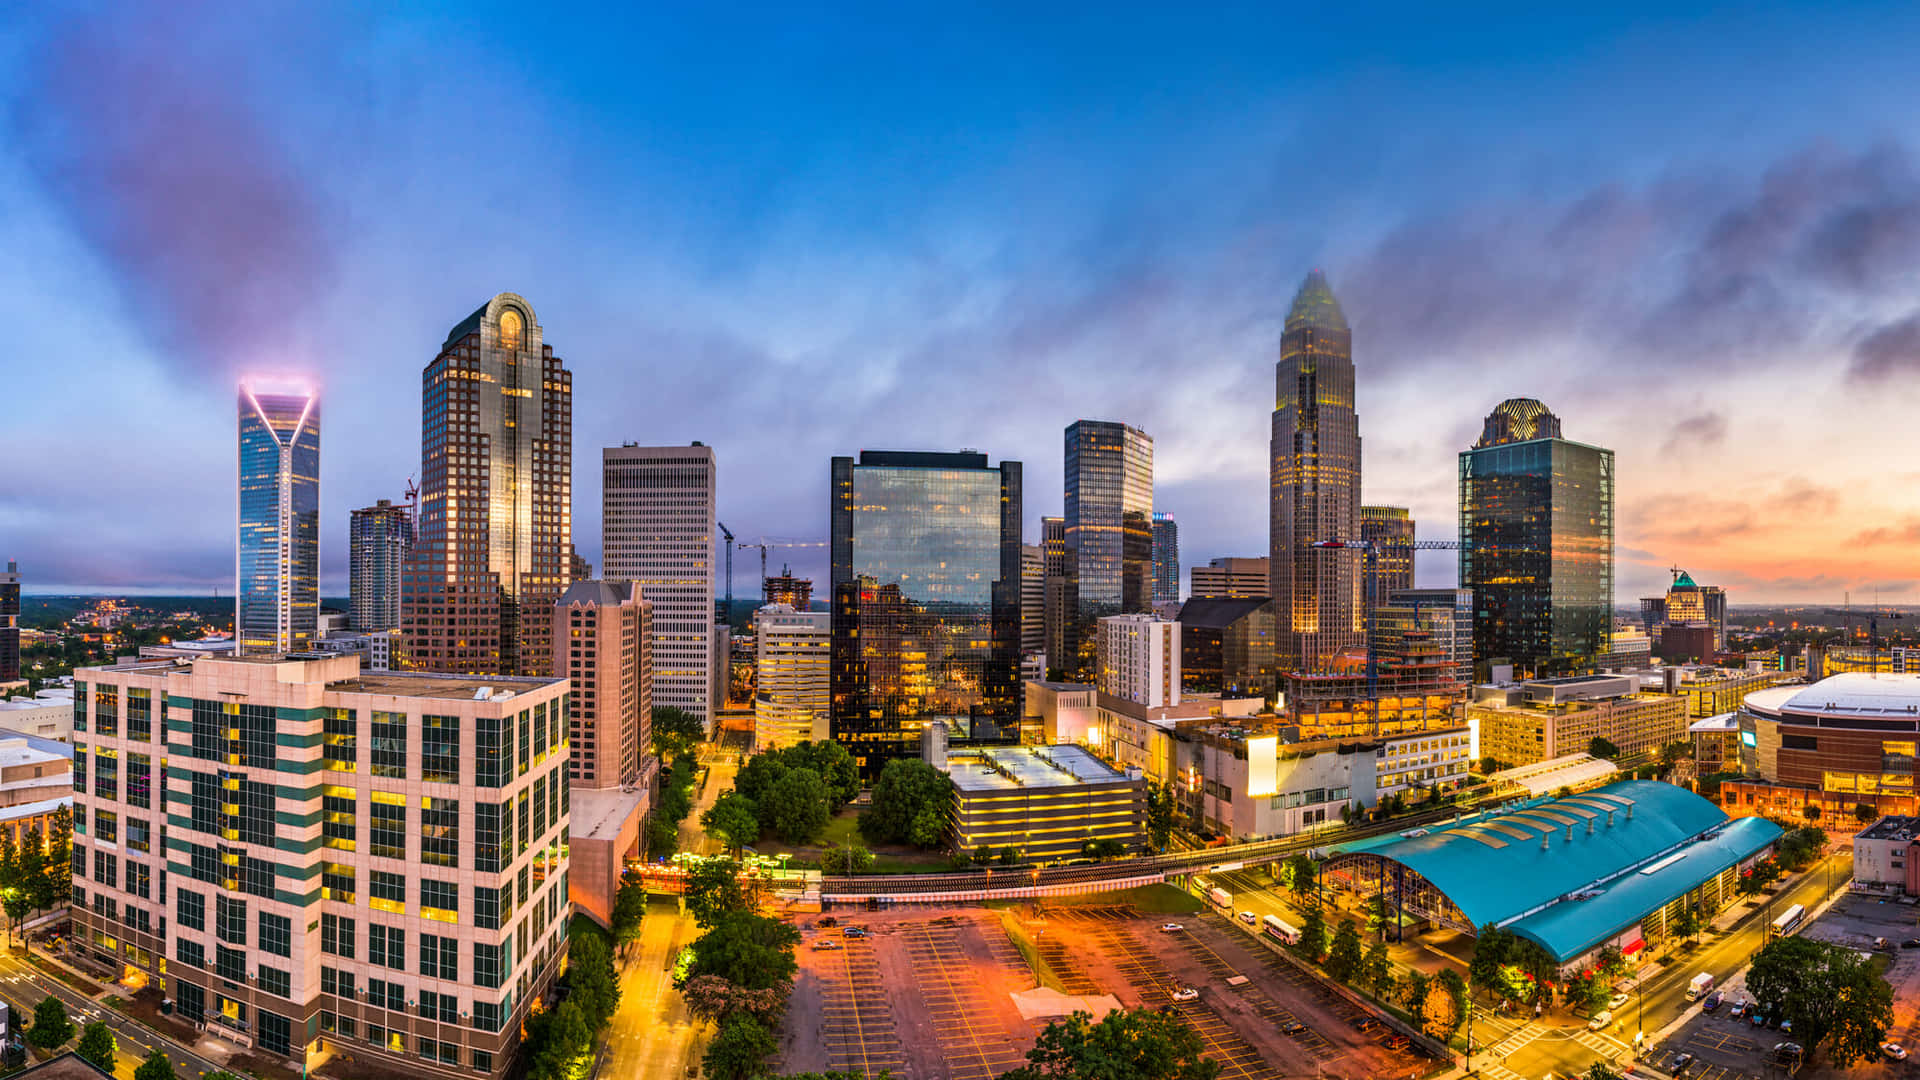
[1221, 898]
[1273, 927]
[1788, 922]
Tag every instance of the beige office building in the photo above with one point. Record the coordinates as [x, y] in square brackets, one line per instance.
[1551, 718]
[1229, 578]
[793, 688]
[602, 640]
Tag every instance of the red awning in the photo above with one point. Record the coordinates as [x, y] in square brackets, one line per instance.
[1634, 948]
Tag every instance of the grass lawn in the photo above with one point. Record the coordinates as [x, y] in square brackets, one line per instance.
[1159, 899]
[845, 829]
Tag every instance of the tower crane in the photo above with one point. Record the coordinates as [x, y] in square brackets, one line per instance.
[728, 544]
[1873, 631]
[763, 544]
[1372, 549]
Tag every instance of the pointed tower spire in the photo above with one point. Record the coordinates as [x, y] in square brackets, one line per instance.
[1315, 306]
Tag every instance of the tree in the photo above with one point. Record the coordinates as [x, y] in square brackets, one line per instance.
[629, 909]
[1863, 813]
[834, 764]
[1376, 971]
[1313, 934]
[1687, 923]
[734, 819]
[1413, 990]
[1159, 816]
[663, 836]
[675, 731]
[740, 1049]
[1103, 849]
[156, 1066]
[713, 998]
[17, 903]
[1301, 872]
[51, 1028]
[983, 854]
[927, 828]
[1344, 959]
[98, 1045]
[1126, 1044]
[1600, 1070]
[591, 981]
[746, 949]
[1490, 950]
[906, 788]
[1828, 992]
[713, 890]
[1377, 917]
[846, 859]
[1490, 765]
[1675, 752]
[1446, 1005]
[1602, 748]
[795, 807]
[1009, 856]
[1813, 811]
[555, 1040]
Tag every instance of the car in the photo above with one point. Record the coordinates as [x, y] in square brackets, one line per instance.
[1911, 943]
[1171, 928]
[1600, 1019]
[1292, 1027]
[1185, 993]
[1787, 1051]
[1679, 1063]
[1712, 1001]
[1881, 944]
[1248, 917]
[826, 943]
[829, 921]
[1365, 1023]
[1739, 1009]
[1894, 1051]
[1396, 1041]
[855, 931]
[1616, 1001]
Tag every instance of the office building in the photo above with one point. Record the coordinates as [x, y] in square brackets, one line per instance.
[1423, 639]
[1045, 802]
[10, 622]
[926, 599]
[494, 536]
[378, 541]
[603, 639]
[1390, 529]
[795, 592]
[1544, 719]
[1689, 623]
[1058, 712]
[578, 568]
[793, 690]
[1166, 559]
[1109, 530]
[657, 531]
[1227, 647]
[1053, 552]
[1536, 522]
[277, 553]
[374, 861]
[1139, 659]
[1229, 578]
[1033, 600]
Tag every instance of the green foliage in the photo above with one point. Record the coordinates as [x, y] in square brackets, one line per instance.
[1377, 972]
[1812, 811]
[675, 731]
[927, 828]
[1602, 748]
[555, 1040]
[1490, 765]
[1600, 1070]
[1829, 993]
[740, 1049]
[734, 819]
[846, 859]
[1413, 990]
[663, 836]
[1009, 856]
[1446, 1022]
[156, 1066]
[747, 950]
[98, 1045]
[1686, 924]
[591, 980]
[1126, 1044]
[983, 854]
[51, 1027]
[1344, 959]
[796, 807]
[1864, 814]
[1160, 808]
[1313, 934]
[1300, 873]
[713, 998]
[833, 764]
[629, 909]
[1103, 849]
[1675, 751]
[1377, 916]
[906, 789]
[714, 890]
[1490, 949]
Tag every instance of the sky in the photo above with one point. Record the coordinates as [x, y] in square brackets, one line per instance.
[794, 231]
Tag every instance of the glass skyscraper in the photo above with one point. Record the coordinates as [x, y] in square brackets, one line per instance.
[377, 544]
[277, 556]
[926, 575]
[1314, 486]
[1109, 531]
[1391, 527]
[1536, 526]
[1166, 558]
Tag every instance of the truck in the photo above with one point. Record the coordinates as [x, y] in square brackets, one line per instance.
[1698, 988]
[1221, 898]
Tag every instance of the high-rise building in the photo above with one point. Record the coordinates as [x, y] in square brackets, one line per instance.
[926, 599]
[1033, 599]
[1229, 578]
[602, 641]
[657, 531]
[1689, 603]
[1109, 530]
[1166, 558]
[578, 568]
[277, 557]
[1053, 551]
[494, 535]
[1391, 528]
[796, 593]
[343, 863]
[1536, 526]
[1423, 638]
[1140, 660]
[378, 541]
[10, 622]
[793, 689]
[1315, 486]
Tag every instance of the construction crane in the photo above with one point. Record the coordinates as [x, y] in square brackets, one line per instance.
[1373, 548]
[728, 544]
[763, 544]
[1873, 631]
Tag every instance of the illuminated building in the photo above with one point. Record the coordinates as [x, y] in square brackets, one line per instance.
[495, 527]
[926, 600]
[277, 557]
[1166, 558]
[1545, 719]
[1053, 554]
[793, 688]
[1226, 647]
[796, 593]
[1139, 659]
[1689, 622]
[1109, 530]
[602, 642]
[1046, 802]
[1845, 741]
[1314, 485]
[10, 622]
[377, 544]
[1033, 601]
[1229, 578]
[293, 849]
[1424, 637]
[1390, 527]
[657, 531]
[1536, 524]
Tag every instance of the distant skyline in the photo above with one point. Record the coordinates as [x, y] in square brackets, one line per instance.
[790, 234]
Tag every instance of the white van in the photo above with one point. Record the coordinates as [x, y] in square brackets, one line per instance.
[1698, 988]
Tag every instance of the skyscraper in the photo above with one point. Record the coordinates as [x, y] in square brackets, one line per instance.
[10, 622]
[378, 541]
[1166, 558]
[1109, 531]
[792, 685]
[277, 556]
[492, 543]
[1315, 485]
[1053, 554]
[602, 642]
[1536, 527]
[1391, 527]
[1033, 599]
[657, 531]
[926, 599]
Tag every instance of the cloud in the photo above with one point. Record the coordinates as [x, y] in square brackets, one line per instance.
[1906, 532]
[1703, 429]
[1890, 352]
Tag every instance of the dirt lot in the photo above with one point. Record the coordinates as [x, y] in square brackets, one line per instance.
[928, 994]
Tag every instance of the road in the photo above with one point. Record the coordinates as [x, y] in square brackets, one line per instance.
[25, 986]
[721, 764]
[651, 1037]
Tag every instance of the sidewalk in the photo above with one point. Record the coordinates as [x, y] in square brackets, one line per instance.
[214, 1050]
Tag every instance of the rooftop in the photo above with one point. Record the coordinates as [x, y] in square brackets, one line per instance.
[1891, 827]
[424, 684]
[1542, 777]
[1011, 767]
[599, 814]
[1853, 694]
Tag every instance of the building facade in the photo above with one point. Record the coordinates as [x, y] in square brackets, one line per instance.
[378, 540]
[1229, 578]
[793, 685]
[1227, 647]
[277, 549]
[1423, 638]
[926, 598]
[1166, 559]
[377, 862]
[1846, 741]
[603, 642]
[1033, 600]
[1139, 659]
[1045, 802]
[1314, 486]
[10, 622]
[1536, 526]
[1053, 552]
[794, 592]
[1390, 530]
[657, 530]
[493, 539]
[1109, 530]
[1552, 718]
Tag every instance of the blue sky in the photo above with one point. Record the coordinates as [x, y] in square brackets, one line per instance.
[793, 232]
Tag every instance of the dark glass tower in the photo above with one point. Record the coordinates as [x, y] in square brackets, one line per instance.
[1536, 525]
[1166, 558]
[1109, 531]
[277, 556]
[1314, 486]
[926, 600]
[10, 622]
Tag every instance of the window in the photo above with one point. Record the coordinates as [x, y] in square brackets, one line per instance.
[80, 768]
[539, 807]
[386, 995]
[209, 732]
[193, 1001]
[389, 891]
[276, 935]
[339, 818]
[106, 826]
[256, 876]
[526, 742]
[348, 1025]
[230, 920]
[337, 883]
[230, 964]
[340, 740]
[540, 731]
[390, 745]
[1799, 742]
[486, 1015]
[204, 803]
[276, 982]
[489, 963]
[486, 907]
[440, 749]
[439, 832]
[388, 829]
[106, 709]
[521, 816]
[489, 765]
[257, 809]
[139, 714]
[336, 936]
[440, 900]
[106, 772]
[190, 953]
[204, 863]
[140, 879]
[255, 749]
[79, 706]
[387, 947]
[486, 840]
[439, 957]
[140, 781]
[329, 981]
[190, 909]
[106, 869]
[482, 1061]
[276, 1032]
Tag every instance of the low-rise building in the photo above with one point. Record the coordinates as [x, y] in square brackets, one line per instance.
[1046, 802]
[47, 714]
[1884, 854]
[1549, 718]
[1062, 712]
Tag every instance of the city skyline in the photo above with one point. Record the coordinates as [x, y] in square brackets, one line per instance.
[1547, 273]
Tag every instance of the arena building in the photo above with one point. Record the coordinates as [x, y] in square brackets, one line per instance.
[1843, 742]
